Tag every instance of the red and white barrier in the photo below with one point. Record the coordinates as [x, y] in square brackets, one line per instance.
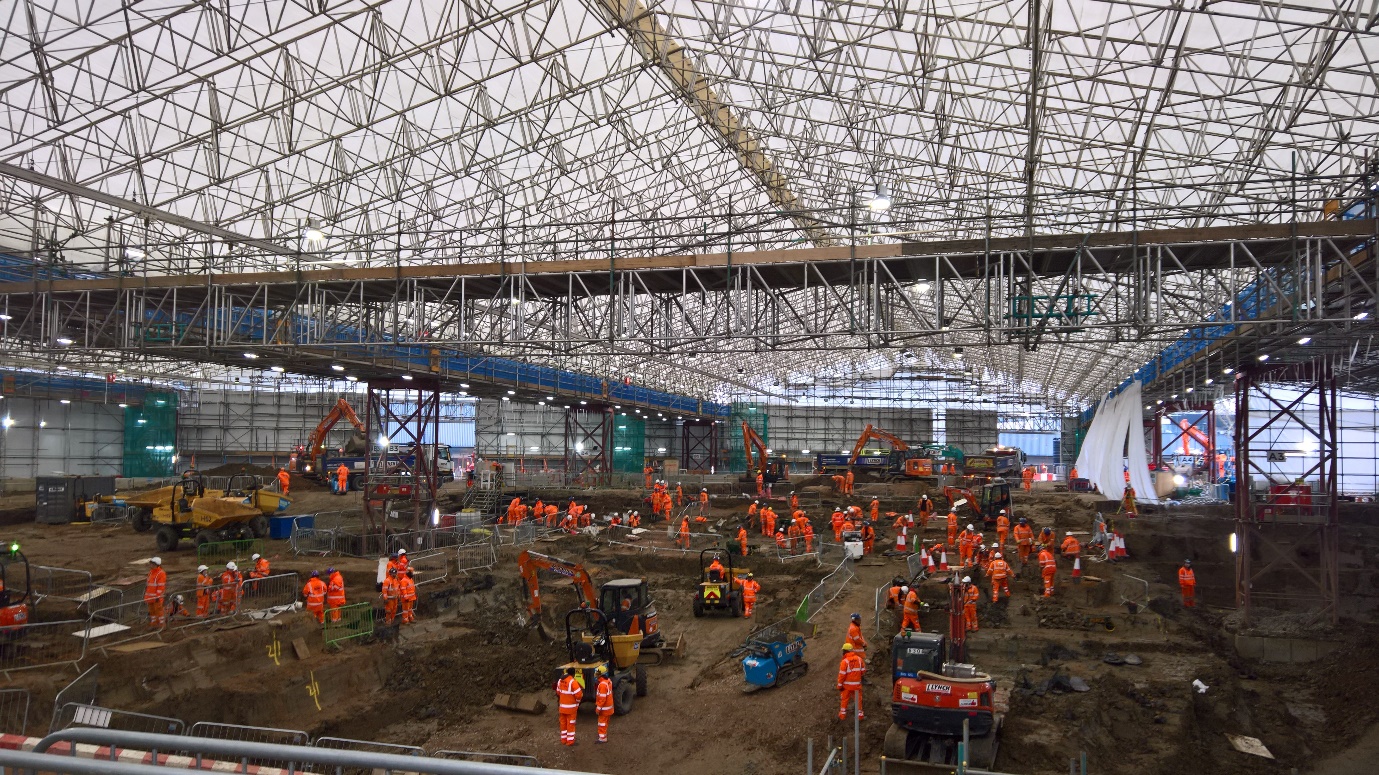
[128, 756]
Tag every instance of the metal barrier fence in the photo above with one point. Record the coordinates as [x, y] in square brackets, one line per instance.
[356, 621]
[218, 731]
[256, 599]
[698, 543]
[825, 592]
[82, 690]
[786, 554]
[80, 715]
[831, 553]
[59, 583]
[516, 760]
[470, 557]
[346, 744]
[220, 552]
[429, 567]
[42, 644]
[14, 711]
[914, 566]
[879, 599]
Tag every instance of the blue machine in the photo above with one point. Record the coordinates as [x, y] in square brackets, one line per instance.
[772, 659]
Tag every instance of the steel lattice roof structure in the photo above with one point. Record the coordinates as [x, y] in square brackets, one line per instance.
[292, 135]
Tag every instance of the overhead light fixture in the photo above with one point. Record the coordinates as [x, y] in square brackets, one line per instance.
[510, 433]
[924, 287]
[1227, 370]
[1305, 340]
[313, 231]
[1175, 395]
[6, 317]
[540, 403]
[43, 423]
[505, 398]
[1209, 381]
[134, 253]
[583, 403]
[277, 369]
[383, 441]
[512, 392]
[123, 406]
[407, 377]
[351, 378]
[252, 356]
[65, 401]
[64, 341]
[336, 367]
[1361, 315]
[880, 199]
[550, 398]
[1264, 357]
[464, 385]
[8, 422]
[1159, 402]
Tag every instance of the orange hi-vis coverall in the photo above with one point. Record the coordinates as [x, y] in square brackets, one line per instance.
[952, 529]
[407, 591]
[1002, 530]
[314, 592]
[154, 590]
[1048, 568]
[603, 705]
[837, 521]
[999, 573]
[570, 693]
[1187, 583]
[850, 672]
[205, 593]
[229, 591]
[684, 538]
[1024, 541]
[910, 620]
[750, 588]
[335, 595]
[391, 594]
[970, 594]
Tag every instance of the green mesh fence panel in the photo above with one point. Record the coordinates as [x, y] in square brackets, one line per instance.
[150, 436]
[755, 416]
[629, 444]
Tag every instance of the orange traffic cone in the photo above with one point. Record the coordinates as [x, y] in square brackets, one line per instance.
[943, 560]
[923, 556]
[1077, 570]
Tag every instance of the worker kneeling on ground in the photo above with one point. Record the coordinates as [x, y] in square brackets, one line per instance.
[850, 672]
[315, 595]
[570, 693]
[1071, 547]
[603, 701]
[1187, 582]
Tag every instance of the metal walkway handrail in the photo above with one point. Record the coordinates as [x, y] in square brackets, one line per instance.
[237, 750]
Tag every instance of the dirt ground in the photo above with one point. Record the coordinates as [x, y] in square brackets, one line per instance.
[434, 685]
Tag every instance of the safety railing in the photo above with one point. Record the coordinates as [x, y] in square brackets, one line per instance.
[879, 600]
[42, 644]
[368, 746]
[14, 711]
[353, 621]
[788, 553]
[831, 554]
[429, 567]
[914, 567]
[80, 715]
[81, 690]
[254, 598]
[245, 734]
[824, 592]
[482, 554]
[59, 583]
[698, 543]
[215, 553]
[484, 757]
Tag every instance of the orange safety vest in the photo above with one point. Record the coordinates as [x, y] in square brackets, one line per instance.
[970, 595]
[850, 671]
[1046, 559]
[912, 604]
[335, 590]
[315, 593]
[1186, 577]
[570, 694]
[999, 570]
[750, 587]
[603, 696]
[157, 584]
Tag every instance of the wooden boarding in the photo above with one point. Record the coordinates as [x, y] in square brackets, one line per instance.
[300, 649]
[143, 645]
[522, 703]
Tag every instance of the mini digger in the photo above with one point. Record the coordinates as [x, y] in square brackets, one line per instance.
[720, 587]
[190, 512]
[591, 645]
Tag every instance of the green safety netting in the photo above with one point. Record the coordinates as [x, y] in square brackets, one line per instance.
[150, 436]
[629, 444]
[755, 416]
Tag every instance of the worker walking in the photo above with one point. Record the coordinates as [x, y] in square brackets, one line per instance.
[750, 588]
[684, 537]
[205, 590]
[999, 573]
[407, 593]
[1024, 540]
[1187, 583]
[570, 693]
[1048, 568]
[850, 672]
[1002, 529]
[391, 595]
[314, 592]
[970, 594]
[284, 481]
[342, 480]
[910, 613]
[926, 511]
[154, 589]
[742, 540]
[855, 633]
[849, 478]
[952, 528]
[603, 701]
[704, 501]
[335, 593]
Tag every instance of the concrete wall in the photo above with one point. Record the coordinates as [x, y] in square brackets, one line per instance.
[78, 438]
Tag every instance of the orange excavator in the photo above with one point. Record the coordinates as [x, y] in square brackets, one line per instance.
[309, 462]
[1191, 431]
[627, 603]
[771, 471]
[872, 432]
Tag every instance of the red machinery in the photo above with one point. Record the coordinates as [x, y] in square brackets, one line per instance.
[14, 604]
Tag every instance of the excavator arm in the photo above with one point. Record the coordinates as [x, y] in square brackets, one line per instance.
[873, 432]
[529, 563]
[316, 443]
[1190, 430]
[751, 441]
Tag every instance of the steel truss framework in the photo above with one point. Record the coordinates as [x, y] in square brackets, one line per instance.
[1288, 537]
[1079, 296]
[410, 132]
[589, 445]
[1201, 419]
[699, 446]
[407, 413]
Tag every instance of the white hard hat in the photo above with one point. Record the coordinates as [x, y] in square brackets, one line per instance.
[967, 579]
[969, 526]
[156, 560]
[201, 569]
[255, 557]
[1003, 511]
[401, 551]
[231, 565]
[904, 589]
[998, 555]
[637, 513]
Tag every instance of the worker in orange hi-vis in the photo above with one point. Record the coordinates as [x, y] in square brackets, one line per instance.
[648, 471]
[1072, 473]
[903, 525]
[768, 521]
[570, 693]
[855, 633]
[850, 672]
[684, 537]
[342, 480]
[761, 486]
[205, 590]
[603, 701]
[1187, 583]
[284, 481]
[391, 596]
[952, 528]
[970, 595]
[1024, 540]
[1027, 477]
[229, 589]
[808, 534]
[407, 594]
[1002, 529]
[837, 522]
[314, 593]
[335, 593]
[750, 588]
[999, 573]
[753, 518]
[965, 545]
[849, 479]
[154, 589]
[926, 511]
[679, 495]
[792, 535]
[742, 540]
[1127, 501]
[910, 619]
[868, 537]
[704, 501]
[1048, 568]
[1071, 547]
[875, 509]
